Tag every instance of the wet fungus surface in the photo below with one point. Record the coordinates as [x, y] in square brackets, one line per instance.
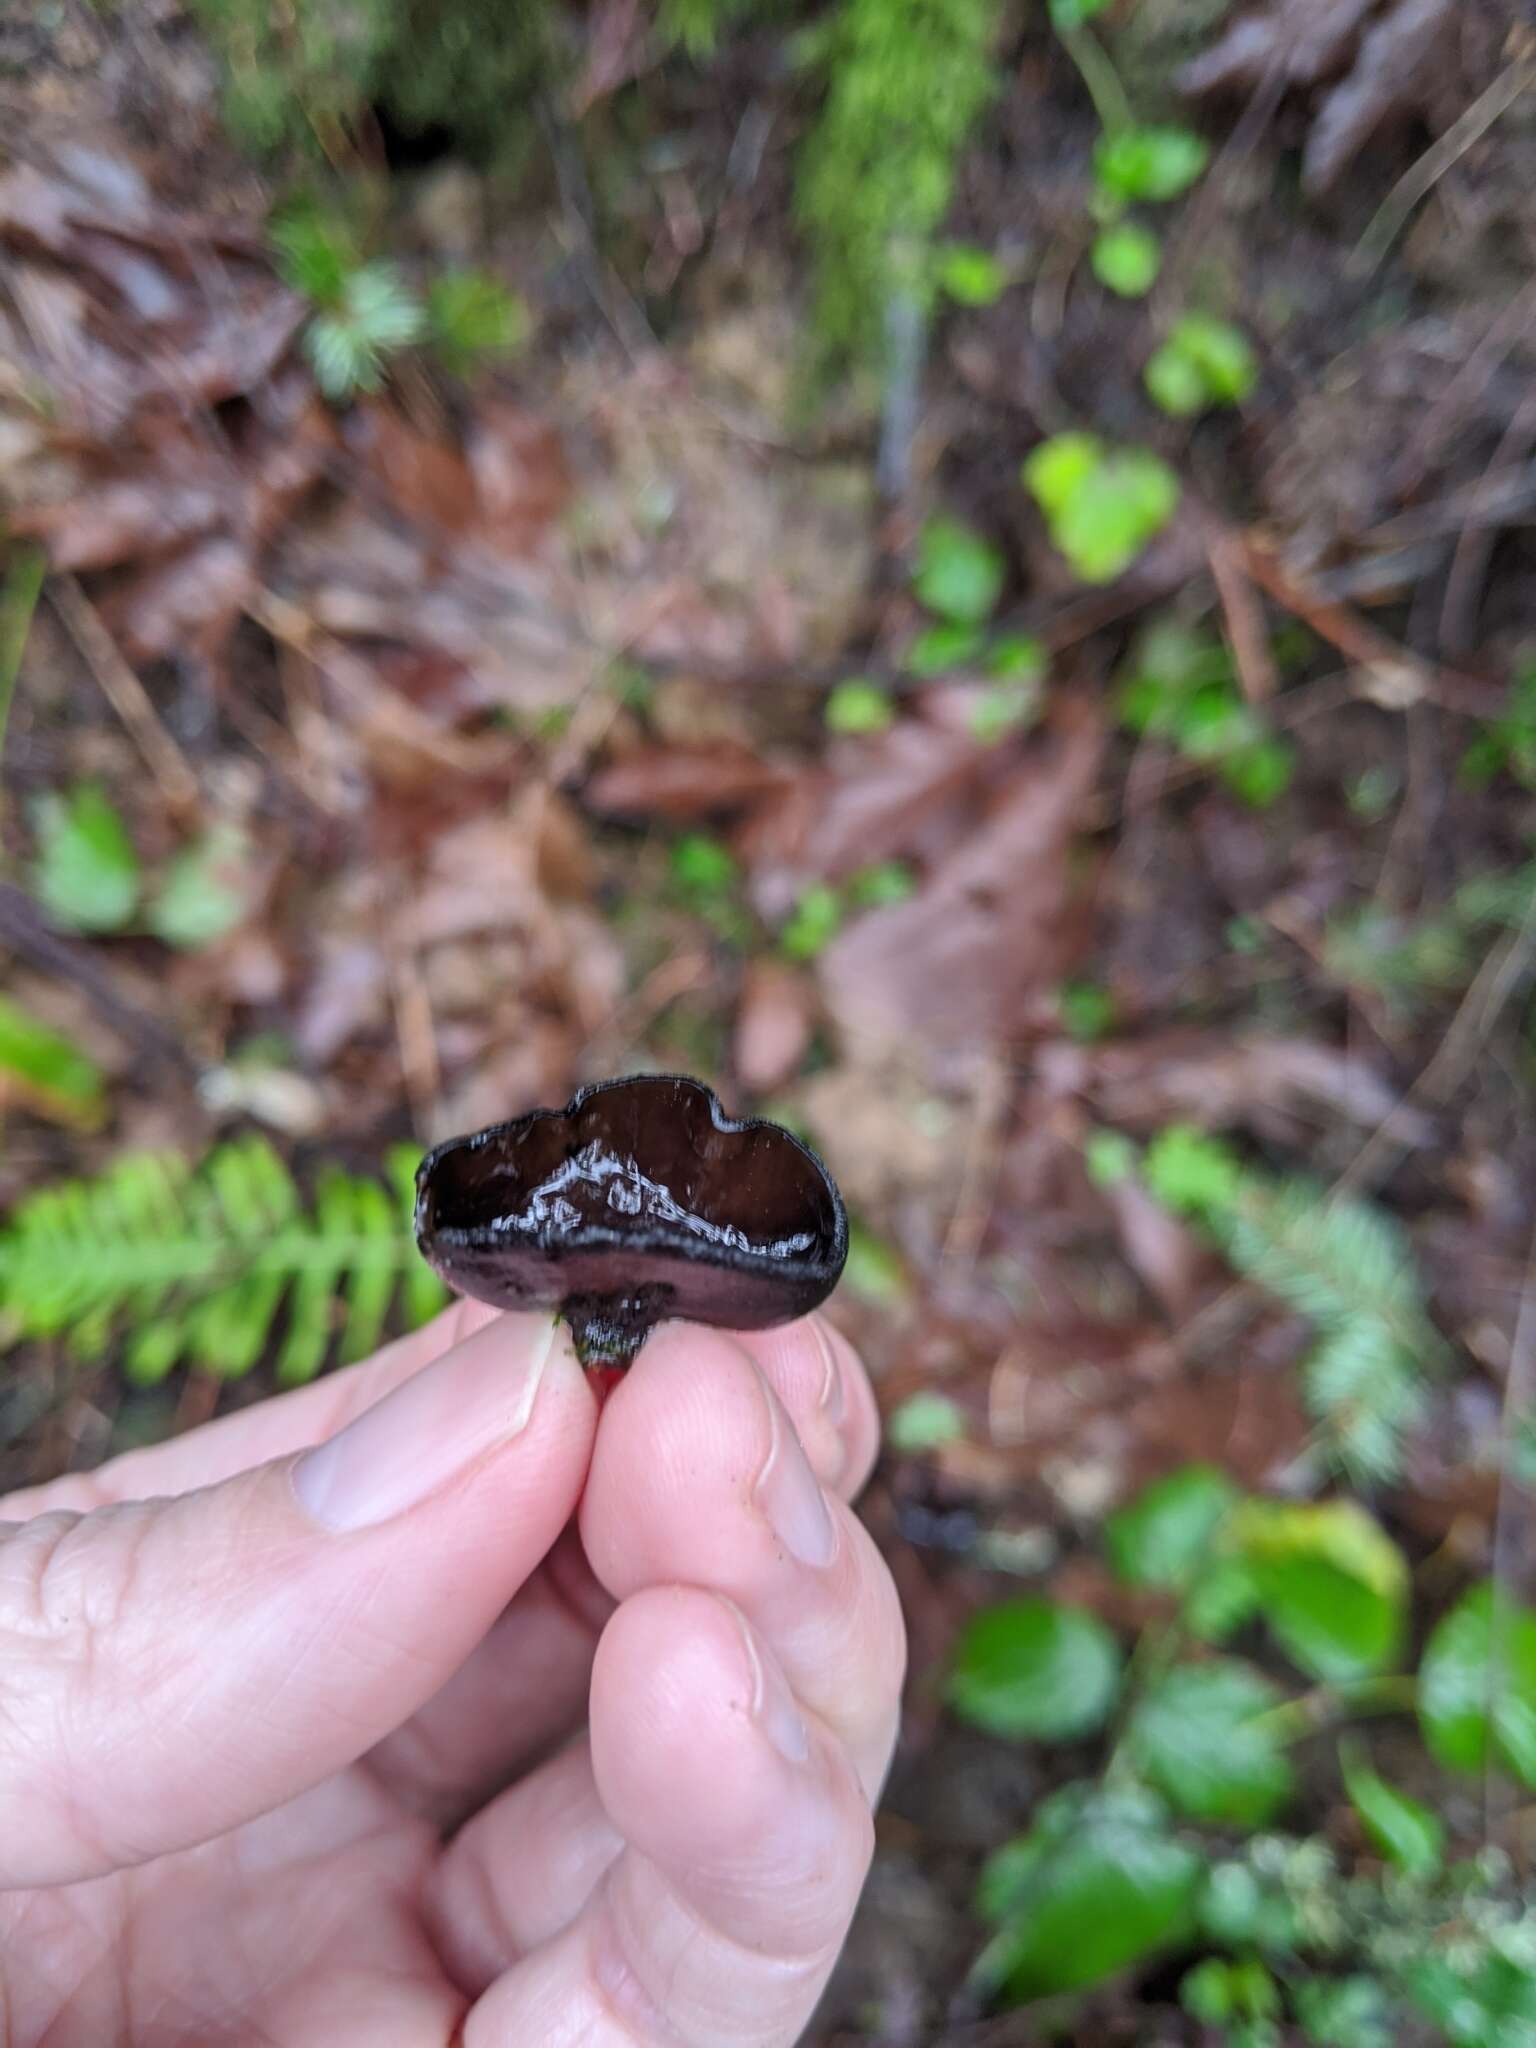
[640, 1200]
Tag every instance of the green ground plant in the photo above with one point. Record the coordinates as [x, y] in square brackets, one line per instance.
[1134, 163]
[1204, 362]
[903, 88]
[367, 312]
[1179, 685]
[1507, 744]
[300, 77]
[42, 1068]
[1403, 962]
[1340, 1262]
[1102, 504]
[211, 1266]
[899, 89]
[87, 874]
[1167, 1848]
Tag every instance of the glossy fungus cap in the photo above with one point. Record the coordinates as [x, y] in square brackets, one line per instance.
[639, 1200]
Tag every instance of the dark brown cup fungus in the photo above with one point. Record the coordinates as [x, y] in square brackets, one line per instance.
[641, 1199]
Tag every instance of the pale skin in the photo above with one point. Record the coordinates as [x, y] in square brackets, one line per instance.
[492, 1720]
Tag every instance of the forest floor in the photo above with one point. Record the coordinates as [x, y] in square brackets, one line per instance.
[488, 731]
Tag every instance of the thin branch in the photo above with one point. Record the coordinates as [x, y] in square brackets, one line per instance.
[127, 696]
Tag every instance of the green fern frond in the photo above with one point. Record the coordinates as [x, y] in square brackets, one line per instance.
[1343, 1264]
[175, 1265]
[1348, 1268]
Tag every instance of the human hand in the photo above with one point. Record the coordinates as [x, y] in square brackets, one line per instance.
[647, 1669]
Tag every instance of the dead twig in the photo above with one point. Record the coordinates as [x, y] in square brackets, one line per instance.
[990, 1101]
[1457, 1053]
[1407, 473]
[1335, 623]
[416, 1035]
[1244, 616]
[1420, 179]
[127, 696]
[353, 680]
[1464, 585]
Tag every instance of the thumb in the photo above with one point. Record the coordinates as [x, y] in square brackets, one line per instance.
[171, 1668]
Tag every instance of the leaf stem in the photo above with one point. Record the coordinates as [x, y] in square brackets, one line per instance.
[1305, 1715]
[1100, 77]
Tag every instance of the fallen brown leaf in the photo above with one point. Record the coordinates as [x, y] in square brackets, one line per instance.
[955, 965]
[682, 783]
[774, 1021]
[1278, 1086]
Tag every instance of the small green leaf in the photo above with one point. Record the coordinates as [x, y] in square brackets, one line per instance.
[1126, 259]
[858, 706]
[1174, 383]
[86, 873]
[1059, 468]
[939, 649]
[206, 891]
[1490, 2003]
[1231, 1905]
[1332, 1585]
[1344, 2012]
[315, 253]
[1402, 1828]
[1221, 352]
[1210, 722]
[881, 884]
[1221, 1599]
[1165, 1534]
[380, 306]
[1070, 14]
[1033, 1669]
[959, 575]
[1197, 1735]
[1102, 505]
[1110, 1157]
[923, 1422]
[971, 276]
[1086, 1009]
[46, 1069]
[1016, 658]
[1203, 362]
[1190, 1172]
[1149, 163]
[1098, 1883]
[1477, 1686]
[1205, 1992]
[873, 1270]
[473, 318]
[1260, 773]
[813, 923]
[702, 866]
[1002, 709]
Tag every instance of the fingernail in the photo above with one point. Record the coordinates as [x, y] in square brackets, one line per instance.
[424, 1434]
[773, 1704]
[830, 1400]
[788, 1494]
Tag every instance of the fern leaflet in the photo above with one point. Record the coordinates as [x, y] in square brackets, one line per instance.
[1343, 1264]
[180, 1265]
